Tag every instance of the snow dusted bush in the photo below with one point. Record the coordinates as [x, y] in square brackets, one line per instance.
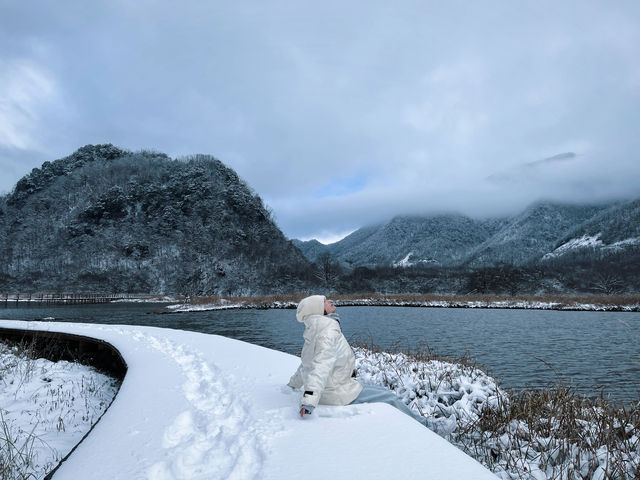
[45, 410]
[558, 434]
[447, 394]
[532, 435]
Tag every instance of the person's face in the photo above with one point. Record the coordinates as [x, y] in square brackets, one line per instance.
[329, 307]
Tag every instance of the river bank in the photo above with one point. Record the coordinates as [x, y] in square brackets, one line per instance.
[597, 303]
[187, 303]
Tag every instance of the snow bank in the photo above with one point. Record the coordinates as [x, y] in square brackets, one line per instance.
[187, 307]
[449, 395]
[224, 304]
[202, 406]
[46, 409]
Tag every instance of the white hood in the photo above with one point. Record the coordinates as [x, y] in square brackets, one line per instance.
[313, 305]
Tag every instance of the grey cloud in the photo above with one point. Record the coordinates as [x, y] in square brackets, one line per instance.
[15, 163]
[555, 158]
[424, 100]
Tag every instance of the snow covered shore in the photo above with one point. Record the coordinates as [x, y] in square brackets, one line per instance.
[201, 406]
[224, 304]
[531, 435]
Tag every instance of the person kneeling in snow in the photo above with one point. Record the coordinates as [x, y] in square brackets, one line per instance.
[327, 367]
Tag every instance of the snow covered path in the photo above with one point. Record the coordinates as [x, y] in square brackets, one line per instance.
[197, 406]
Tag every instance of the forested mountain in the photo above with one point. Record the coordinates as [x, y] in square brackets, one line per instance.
[532, 234]
[613, 231]
[440, 240]
[312, 249]
[548, 248]
[106, 219]
[456, 240]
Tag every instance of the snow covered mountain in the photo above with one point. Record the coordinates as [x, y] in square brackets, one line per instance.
[106, 219]
[532, 234]
[312, 249]
[615, 230]
[456, 240]
[439, 240]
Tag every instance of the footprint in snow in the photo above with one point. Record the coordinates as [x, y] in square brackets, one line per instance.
[215, 437]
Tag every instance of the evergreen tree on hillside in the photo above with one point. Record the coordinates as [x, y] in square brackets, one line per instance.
[106, 219]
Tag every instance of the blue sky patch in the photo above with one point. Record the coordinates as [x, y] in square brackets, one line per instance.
[342, 186]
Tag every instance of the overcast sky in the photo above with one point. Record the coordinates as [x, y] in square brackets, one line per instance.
[338, 114]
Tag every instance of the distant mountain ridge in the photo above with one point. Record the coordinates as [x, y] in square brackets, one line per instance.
[413, 237]
[455, 240]
[106, 219]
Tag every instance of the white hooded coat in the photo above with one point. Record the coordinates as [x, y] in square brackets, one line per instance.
[327, 361]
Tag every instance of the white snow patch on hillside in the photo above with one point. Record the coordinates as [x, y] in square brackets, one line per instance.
[404, 262]
[594, 242]
[585, 241]
[622, 244]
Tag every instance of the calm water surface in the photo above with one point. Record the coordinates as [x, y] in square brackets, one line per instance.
[594, 351]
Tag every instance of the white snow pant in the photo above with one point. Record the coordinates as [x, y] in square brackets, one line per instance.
[374, 393]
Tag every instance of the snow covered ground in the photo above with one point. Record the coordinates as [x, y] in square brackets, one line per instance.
[222, 304]
[197, 406]
[450, 395]
[563, 438]
[45, 410]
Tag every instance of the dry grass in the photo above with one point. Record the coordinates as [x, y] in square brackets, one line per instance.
[559, 299]
[421, 354]
[565, 435]
[17, 453]
[553, 433]
[19, 447]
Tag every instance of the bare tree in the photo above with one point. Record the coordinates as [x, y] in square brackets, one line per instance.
[327, 271]
[607, 283]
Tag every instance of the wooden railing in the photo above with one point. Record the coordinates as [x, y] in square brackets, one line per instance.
[64, 298]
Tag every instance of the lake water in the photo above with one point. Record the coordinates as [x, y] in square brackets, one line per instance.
[594, 351]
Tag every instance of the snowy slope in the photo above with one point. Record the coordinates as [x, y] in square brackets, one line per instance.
[612, 231]
[443, 239]
[458, 240]
[531, 234]
[201, 406]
